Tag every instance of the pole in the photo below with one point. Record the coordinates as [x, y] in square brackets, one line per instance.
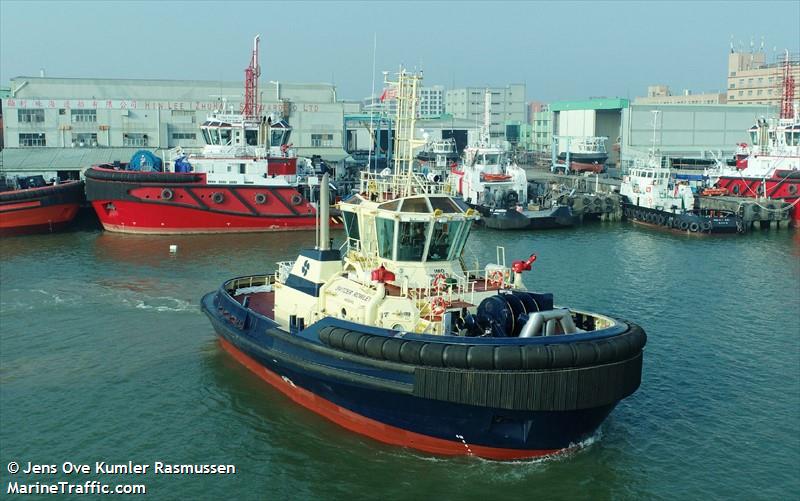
[324, 214]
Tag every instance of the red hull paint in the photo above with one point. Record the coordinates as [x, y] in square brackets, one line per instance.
[787, 190]
[375, 429]
[157, 218]
[23, 217]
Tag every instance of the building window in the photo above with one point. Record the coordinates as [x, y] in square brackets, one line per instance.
[741, 92]
[318, 140]
[83, 139]
[749, 92]
[30, 116]
[134, 139]
[759, 92]
[733, 85]
[184, 135]
[79, 116]
[36, 139]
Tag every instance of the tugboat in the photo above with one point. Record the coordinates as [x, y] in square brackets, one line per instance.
[396, 338]
[498, 188]
[35, 206]
[437, 158]
[769, 168]
[652, 196]
[245, 180]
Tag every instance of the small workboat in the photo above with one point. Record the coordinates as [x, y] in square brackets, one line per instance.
[35, 206]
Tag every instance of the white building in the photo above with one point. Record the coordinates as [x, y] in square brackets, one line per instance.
[73, 113]
[508, 105]
[429, 105]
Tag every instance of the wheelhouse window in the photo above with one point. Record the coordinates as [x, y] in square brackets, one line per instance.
[445, 236]
[35, 139]
[384, 228]
[351, 225]
[411, 246]
[184, 135]
[84, 116]
[224, 137]
[30, 116]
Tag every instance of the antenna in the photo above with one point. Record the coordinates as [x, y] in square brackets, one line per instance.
[655, 125]
[250, 107]
[372, 106]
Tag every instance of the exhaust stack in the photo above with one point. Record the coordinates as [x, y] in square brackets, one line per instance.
[324, 214]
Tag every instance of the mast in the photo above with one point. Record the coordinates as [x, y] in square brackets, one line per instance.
[485, 138]
[251, 106]
[787, 93]
[406, 89]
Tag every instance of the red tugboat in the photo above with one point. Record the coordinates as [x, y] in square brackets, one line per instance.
[770, 167]
[245, 180]
[37, 207]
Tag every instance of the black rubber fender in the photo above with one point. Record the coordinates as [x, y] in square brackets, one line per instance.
[140, 177]
[489, 357]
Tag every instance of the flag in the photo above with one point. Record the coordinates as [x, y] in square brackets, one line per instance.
[389, 93]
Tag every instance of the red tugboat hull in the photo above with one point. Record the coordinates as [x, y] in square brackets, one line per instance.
[39, 210]
[170, 203]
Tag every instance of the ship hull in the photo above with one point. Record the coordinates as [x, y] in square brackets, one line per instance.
[387, 401]
[699, 221]
[558, 217]
[40, 210]
[168, 203]
[783, 185]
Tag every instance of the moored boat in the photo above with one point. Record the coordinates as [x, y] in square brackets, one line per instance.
[584, 154]
[768, 168]
[245, 180]
[651, 195]
[34, 206]
[395, 337]
[498, 188]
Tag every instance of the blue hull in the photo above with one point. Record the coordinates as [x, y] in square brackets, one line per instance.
[387, 398]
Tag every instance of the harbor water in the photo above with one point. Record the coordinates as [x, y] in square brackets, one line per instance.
[105, 356]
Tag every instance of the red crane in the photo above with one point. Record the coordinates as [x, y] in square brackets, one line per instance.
[787, 94]
[251, 107]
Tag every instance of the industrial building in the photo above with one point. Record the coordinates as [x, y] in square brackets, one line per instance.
[696, 131]
[508, 105]
[681, 130]
[660, 94]
[753, 80]
[55, 116]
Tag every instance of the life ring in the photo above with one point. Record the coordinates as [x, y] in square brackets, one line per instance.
[694, 227]
[792, 189]
[438, 306]
[217, 197]
[496, 279]
[684, 225]
[166, 194]
[296, 199]
[260, 198]
[439, 282]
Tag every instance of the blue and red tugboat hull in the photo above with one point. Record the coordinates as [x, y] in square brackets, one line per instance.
[420, 393]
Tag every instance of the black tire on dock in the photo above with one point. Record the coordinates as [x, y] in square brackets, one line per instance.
[694, 227]
[684, 225]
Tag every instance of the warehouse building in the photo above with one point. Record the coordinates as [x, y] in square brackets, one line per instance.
[53, 116]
